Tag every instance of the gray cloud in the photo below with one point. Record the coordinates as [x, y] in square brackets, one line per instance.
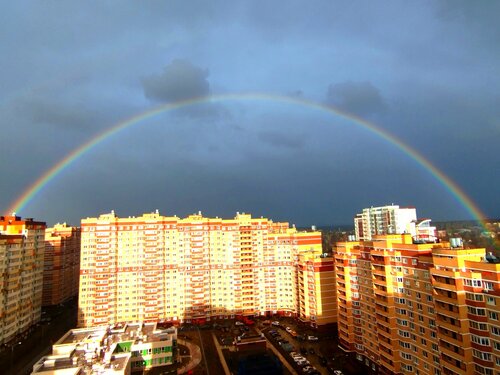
[180, 80]
[46, 110]
[280, 139]
[361, 98]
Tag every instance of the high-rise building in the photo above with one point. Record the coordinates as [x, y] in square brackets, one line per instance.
[153, 267]
[21, 275]
[317, 289]
[419, 308]
[392, 219]
[61, 264]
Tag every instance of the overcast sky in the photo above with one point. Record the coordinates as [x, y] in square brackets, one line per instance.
[426, 71]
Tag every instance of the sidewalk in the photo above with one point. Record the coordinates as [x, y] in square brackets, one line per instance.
[195, 352]
[221, 355]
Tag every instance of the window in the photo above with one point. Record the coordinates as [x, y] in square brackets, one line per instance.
[405, 345]
[488, 285]
[476, 311]
[493, 315]
[480, 340]
[403, 333]
[479, 326]
[481, 355]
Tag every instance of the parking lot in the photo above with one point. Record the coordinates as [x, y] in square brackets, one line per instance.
[312, 356]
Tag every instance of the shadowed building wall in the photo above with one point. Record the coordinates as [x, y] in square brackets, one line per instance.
[21, 275]
[62, 264]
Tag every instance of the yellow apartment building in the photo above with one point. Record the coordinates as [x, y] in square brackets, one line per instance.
[155, 267]
[419, 308]
[316, 287]
[61, 264]
[21, 275]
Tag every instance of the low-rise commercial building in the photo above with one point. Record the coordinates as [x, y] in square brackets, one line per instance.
[119, 349]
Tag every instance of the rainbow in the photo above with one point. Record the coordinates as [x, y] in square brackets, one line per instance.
[28, 195]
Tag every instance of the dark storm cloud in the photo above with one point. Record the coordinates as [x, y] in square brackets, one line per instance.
[426, 71]
[46, 110]
[361, 98]
[180, 80]
[280, 139]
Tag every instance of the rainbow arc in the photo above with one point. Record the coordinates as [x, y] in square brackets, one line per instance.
[30, 193]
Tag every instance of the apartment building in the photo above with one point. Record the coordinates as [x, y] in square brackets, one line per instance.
[419, 308]
[61, 264]
[21, 275]
[154, 267]
[118, 349]
[316, 287]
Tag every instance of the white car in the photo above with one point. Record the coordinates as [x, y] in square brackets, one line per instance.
[288, 329]
[238, 323]
[312, 338]
[275, 323]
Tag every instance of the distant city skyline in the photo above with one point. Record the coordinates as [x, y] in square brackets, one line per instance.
[425, 73]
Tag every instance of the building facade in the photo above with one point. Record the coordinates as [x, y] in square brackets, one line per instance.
[21, 275]
[316, 288]
[61, 264]
[419, 308]
[118, 349]
[390, 219]
[154, 267]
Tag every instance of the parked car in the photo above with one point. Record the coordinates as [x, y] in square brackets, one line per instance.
[302, 362]
[288, 329]
[312, 338]
[238, 323]
[276, 323]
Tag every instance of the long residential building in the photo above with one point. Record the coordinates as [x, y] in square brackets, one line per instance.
[21, 274]
[419, 308]
[155, 267]
[61, 264]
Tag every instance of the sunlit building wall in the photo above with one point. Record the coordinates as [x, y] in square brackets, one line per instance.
[154, 267]
[61, 264]
[422, 308]
[316, 289]
[21, 274]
